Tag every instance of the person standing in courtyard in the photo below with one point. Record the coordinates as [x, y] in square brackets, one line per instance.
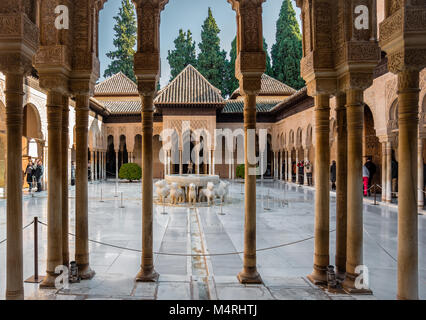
[72, 173]
[365, 178]
[29, 171]
[372, 170]
[39, 171]
[301, 169]
[333, 175]
[308, 169]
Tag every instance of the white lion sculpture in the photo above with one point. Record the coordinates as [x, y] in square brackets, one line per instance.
[176, 194]
[162, 190]
[192, 194]
[208, 193]
[222, 191]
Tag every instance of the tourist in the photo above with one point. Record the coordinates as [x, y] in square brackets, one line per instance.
[333, 175]
[39, 171]
[29, 171]
[301, 169]
[308, 170]
[72, 173]
[365, 177]
[372, 169]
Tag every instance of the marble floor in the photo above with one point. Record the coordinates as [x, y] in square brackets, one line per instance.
[285, 214]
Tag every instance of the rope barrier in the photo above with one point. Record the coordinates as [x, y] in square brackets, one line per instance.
[195, 255]
[4, 240]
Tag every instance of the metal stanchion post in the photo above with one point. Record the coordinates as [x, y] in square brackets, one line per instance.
[164, 207]
[35, 278]
[101, 196]
[122, 206]
[375, 196]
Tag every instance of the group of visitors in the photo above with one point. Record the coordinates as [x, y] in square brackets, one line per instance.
[34, 172]
[368, 172]
[302, 167]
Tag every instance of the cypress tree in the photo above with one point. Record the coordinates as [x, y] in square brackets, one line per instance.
[212, 63]
[183, 54]
[233, 82]
[287, 51]
[125, 41]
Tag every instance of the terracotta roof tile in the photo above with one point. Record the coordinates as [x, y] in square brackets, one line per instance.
[123, 107]
[189, 87]
[119, 84]
[271, 86]
[237, 106]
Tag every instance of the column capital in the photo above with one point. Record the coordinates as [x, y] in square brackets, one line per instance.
[403, 36]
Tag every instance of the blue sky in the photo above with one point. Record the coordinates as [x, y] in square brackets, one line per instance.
[187, 14]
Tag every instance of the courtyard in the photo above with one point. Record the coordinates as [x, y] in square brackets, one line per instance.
[195, 248]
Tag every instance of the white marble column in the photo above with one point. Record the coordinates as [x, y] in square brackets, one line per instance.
[388, 172]
[297, 169]
[305, 176]
[289, 167]
[384, 171]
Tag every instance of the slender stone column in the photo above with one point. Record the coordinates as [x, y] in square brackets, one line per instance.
[116, 164]
[95, 160]
[420, 177]
[147, 272]
[81, 190]
[354, 248]
[14, 123]
[341, 185]
[297, 169]
[249, 273]
[290, 167]
[384, 171]
[305, 175]
[322, 194]
[55, 108]
[281, 165]
[64, 159]
[408, 98]
[213, 163]
[180, 162]
[92, 165]
[388, 191]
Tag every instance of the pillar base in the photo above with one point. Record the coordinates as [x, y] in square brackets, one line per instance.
[15, 295]
[249, 277]
[85, 272]
[318, 276]
[349, 285]
[147, 275]
[49, 281]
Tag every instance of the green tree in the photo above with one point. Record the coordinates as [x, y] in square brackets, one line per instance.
[125, 41]
[232, 81]
[287, 51]
[212, 62]
[183, 55]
